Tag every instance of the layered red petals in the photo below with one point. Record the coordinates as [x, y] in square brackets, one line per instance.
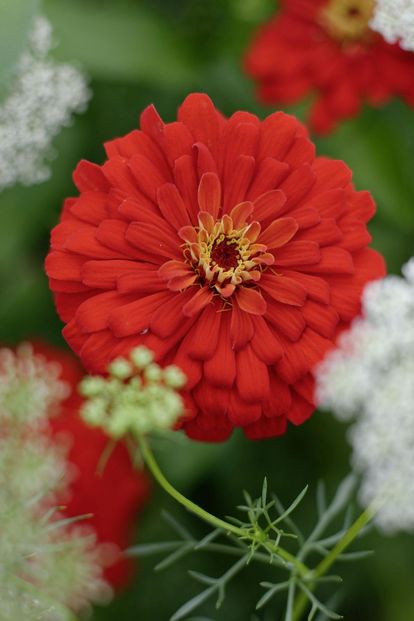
[227, 248]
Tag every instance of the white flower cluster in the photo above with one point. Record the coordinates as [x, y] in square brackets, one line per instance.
[42, 98]
[138, 397]
[30, 388]
[370, 376]
[50, 567]
[394, 20]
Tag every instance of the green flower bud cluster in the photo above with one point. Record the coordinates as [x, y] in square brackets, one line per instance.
[50, 568]
[137, 397]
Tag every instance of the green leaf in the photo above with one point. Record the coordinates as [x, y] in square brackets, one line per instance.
[148, 549]
[16, 20]
[120, 43]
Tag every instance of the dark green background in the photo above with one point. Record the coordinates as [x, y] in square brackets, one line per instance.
[142, 51]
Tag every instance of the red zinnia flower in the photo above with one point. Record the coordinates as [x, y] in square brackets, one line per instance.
[112, 496]
[327, 47]
[225, 247]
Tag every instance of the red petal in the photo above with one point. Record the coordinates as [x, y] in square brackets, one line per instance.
[251, 301]
[177, 141]
[104, 274]
[212, 400]
[300, 411]
[187, 184]
[298, 253]
[153, 240]
[323, 319]
[204, 159]
[240, 213]
[269, 174]
[198, 301]
[204, 336]
[330, 204]
[151, 123]
[326, 233]
[198, 113]
[90, 207]
[266, 428]
[333, 261]
[305, 217]
[298, 185]
[283, 289]
[265, 343]
[209, 194]
[289, 320]
[252, 375]
[220, 370]
[135, 317]
[316, 287]
[147, 175]
[172, 206]
[331, 174]
[237, 182]
[269, 205]
[143, 279]
[241, 327]
[93, 314]
[279, 400]
[89, 176]
[111, 234]
[241, 412]
[294, 364]
[279, 233]
[96, 352]
[64, 266]
[118, 174]
[166, 319]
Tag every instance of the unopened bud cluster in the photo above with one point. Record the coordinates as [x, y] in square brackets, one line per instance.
[137, 397]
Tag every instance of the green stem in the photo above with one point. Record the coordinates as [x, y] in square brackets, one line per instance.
[326, 563]
[152, 464]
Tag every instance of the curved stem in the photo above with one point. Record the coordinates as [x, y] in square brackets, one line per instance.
[326, 563]
[191, 506]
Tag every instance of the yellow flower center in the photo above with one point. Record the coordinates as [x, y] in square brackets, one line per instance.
[347, 20]
[224, 253]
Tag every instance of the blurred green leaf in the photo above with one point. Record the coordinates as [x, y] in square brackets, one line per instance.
[118, 43]
[16, 18]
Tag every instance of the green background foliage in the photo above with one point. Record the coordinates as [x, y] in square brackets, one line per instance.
[142, 51]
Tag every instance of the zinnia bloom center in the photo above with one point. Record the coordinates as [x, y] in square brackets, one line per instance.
[347, 20]
[224, 253]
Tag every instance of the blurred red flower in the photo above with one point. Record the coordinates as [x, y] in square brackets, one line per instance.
[224, 246]
[114, 495]
[326, 47]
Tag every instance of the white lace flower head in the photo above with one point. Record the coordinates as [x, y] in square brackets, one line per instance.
[370, 377]
[394, 19]
[50, 566]
[43, 97]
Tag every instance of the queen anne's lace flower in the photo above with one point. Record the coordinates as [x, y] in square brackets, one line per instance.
[43, 96]
[394, 19]
[371, 376]
[48, 566]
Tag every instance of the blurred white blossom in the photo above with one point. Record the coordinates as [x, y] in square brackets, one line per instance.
[42, 98]
[49, 566]
[394, 19]
[370, 377]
